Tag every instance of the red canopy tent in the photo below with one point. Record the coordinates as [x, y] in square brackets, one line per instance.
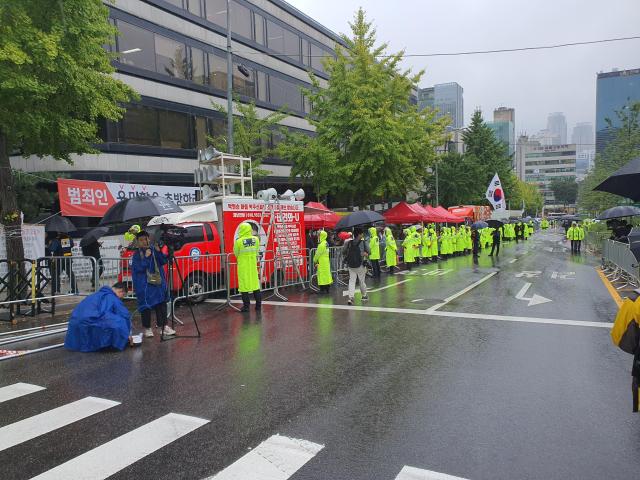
[433, 216]
[450, 218]
[316, 216]
[405, 213]
[462, 211]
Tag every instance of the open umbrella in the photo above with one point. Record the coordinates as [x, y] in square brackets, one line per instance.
[624, 182]
[138, 207]
[93, 235]
[495, 223]
[619, 212]
[59, 224]
[362, 217]
[479, 224]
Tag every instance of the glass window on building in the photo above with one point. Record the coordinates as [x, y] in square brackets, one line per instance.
[283, 92]
[244, 85]
[216, 11]
[139, 126]
[136, 46]
[259, 28]
[317, 54]
[201, 132]
[240, 20]
[198, 68]
[194, 6]
[262, 93]
[217, 127]
[171, 58]
[217, 71]
[177, 3]
[174, 129]
[305, 52]
[292, 45]
[275, 37]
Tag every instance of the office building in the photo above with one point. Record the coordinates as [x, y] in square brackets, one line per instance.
[504, 114]
[557, 126]
[546, 137]
[543, 163]
[582, 136]
[614, 91]
[584, 162]
[173, 53]
[503, 127]
[447, 98]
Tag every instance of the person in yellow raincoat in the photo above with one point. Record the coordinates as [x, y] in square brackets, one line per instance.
[426, 244]
[434, 242]
[407, 248]
[322, 263]
[391, 250]
[374, 251]
[246, 249]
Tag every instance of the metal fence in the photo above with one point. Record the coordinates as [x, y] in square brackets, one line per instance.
[594, 241]
[620, 265]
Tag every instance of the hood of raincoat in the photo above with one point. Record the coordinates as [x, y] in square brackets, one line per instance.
[322, 236]
[387, 232]
[373, 232]
[245, 230]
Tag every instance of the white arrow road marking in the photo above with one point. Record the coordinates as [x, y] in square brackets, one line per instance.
[411, 473]
[535, 300]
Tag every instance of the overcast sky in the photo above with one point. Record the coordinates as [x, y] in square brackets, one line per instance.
[534, 83]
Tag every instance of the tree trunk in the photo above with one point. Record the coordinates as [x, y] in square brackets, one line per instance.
[9, 212]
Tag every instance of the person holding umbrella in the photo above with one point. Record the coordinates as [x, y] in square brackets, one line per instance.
[62, 246]
[150, 284]
[355, 251]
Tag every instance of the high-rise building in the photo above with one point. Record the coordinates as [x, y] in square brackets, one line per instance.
[524, 144]
[546, 137]
[544, 163]
[582, 137]
[503, 127]
[447, 98]
[614, 91]
[173, 53]
[557, 125]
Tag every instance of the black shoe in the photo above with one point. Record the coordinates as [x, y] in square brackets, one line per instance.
[244, 309]
[258, 308]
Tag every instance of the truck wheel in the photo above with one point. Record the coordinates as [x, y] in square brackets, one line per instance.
[196, 285]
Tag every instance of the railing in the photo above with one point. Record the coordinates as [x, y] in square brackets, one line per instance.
[594, 241]
[619, 264]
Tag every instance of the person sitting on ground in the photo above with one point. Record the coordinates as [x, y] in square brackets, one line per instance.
[100, 321]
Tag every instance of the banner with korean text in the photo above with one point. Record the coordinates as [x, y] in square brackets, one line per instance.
[85, 198]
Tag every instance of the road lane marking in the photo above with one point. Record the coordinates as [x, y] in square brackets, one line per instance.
[417, 300]
[46, 422]
[513, 260]
[346, 292]
[462, 292]
[534, 300]
[432, 313]
[113, 456]
[18, 390]
[610, 288]
[277, 458]
[412, 473]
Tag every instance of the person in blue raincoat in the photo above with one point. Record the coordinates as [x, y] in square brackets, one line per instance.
[100, 321]
[146, 263]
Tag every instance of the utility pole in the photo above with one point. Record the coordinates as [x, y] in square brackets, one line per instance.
[229, 83]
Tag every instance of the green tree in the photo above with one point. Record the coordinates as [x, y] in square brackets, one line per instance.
[527, 194]
[32, 197]
[624, 146]
[55, 84]
[252, 134]
[565, 190]
[370, 139]
[457, 180]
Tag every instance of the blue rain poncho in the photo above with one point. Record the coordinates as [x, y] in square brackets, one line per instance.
[99, 321]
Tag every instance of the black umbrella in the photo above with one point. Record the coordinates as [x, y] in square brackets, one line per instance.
[624, 182]
[93, 235]
[59, 224]
[479, 224]
[495, 223]
[363, 217]
[138, 207]
[619, 212]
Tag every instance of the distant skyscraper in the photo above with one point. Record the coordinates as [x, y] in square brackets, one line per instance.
[614, 91]
[503, 127]
[557, 125]
[447, 98]
[582, 137]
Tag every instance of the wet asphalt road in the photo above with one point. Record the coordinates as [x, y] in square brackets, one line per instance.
[478, 388]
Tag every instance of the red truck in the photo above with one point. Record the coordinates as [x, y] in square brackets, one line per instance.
[209, 234]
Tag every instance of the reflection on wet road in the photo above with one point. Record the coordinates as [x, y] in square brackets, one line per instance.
[455, 367]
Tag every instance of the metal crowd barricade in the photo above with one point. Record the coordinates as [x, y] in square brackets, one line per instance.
[620, 264]
[595, 241]
[289, 265]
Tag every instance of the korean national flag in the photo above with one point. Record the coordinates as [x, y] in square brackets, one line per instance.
[495, 194]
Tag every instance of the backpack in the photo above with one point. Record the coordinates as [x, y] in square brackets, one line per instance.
[353, 257]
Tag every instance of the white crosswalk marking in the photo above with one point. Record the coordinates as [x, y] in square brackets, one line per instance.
[46, 422]
[18, 390]
[113, 456]
[411, 473]
[277, 458]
